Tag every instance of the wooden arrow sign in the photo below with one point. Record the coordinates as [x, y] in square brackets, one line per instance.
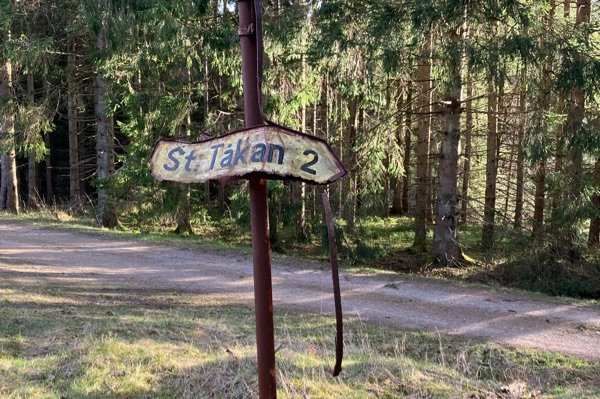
[270, 150]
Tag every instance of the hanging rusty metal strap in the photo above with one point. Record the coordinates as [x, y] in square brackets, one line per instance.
[339, 339]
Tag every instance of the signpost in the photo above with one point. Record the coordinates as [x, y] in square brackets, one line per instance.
[271, 150]
[256, 153]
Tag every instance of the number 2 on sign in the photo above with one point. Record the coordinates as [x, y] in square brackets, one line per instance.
[307, 166]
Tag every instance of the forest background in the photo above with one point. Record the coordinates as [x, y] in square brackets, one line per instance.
[479, 117]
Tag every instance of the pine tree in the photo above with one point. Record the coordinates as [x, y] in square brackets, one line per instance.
[9, 194]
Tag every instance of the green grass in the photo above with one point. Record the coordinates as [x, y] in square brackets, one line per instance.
[72, 341]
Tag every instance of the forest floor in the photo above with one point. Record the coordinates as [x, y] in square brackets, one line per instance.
[37, 255]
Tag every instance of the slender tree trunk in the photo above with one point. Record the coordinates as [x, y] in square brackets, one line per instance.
[407, 150]
[104, 137]
[491, 170]
[32, 178]
[575, 118]
[9, 196]
[323, 125]
[344, 186]
[464, 196]
[313, 189]
[358, 181]
[539, 201]
[594, 233]
[432, 189]
[72, 114]
[396, 141]
[184, 211]
[559, 154]
[422, 149]
[403, 141]
[520, 180]
[351, 161]
[3, 185]
[301, 186]
[397, 198]
[544, 105]
[207, 110]
[559, 169]
[49, 171]
[446, 248]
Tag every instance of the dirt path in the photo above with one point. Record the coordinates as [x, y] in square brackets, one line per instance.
[31, 253]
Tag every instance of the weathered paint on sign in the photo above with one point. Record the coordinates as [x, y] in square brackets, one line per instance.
[271, 150]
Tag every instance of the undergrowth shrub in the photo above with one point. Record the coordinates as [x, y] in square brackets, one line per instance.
[553, 275]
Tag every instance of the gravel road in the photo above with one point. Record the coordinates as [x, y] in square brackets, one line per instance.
[64, 256]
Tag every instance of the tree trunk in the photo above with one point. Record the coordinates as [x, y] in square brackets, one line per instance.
[575, 118]
[184, 210]
[520, 181]
[539, 201]
[32, 178]
[301, 186]
[9, 197]
[422, 149]
[104, 136]
[544, 101]
[207, 83]
[446, 248]
[3, 185]
[49, 171]
[464, 196]
[594, 233]
[358, 162]
[350, 157]
[557, 197]
[407, 150]
[322, 124]
[491, 170]
[396, 208]
[72, 115]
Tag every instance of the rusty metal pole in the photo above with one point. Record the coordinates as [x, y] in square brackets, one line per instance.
[261, 246]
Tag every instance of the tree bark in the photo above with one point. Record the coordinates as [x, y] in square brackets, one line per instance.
[301, 186]
[491, 170]
[539, 201]
[351, 162]
[446, 248]
[407, 150]
[575, 118]
[422, 149]
[544, 105]
[184, 210]
[9, 196]
[104, 136]
[594, 233]
[49, 171]
[403, 140]
[72, 116]
[396, 208]
[464, 196]
[520, 178]
[32, 169]
[557, 197]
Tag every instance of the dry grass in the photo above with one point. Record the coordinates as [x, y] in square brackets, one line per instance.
[74, 341]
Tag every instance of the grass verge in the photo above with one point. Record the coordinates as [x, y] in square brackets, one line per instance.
[74, 341]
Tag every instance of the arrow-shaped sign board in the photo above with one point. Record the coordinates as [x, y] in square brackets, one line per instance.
[269, 150]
